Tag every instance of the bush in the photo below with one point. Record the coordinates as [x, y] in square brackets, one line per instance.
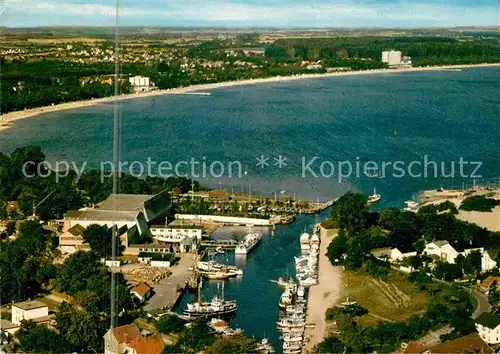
[171, 324]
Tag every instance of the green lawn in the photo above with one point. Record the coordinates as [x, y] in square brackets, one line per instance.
[394, 300]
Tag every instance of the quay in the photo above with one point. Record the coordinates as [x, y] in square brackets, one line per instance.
[191, 93]
[168, 291]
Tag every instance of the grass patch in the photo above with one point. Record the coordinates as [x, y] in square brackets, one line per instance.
[395, 299]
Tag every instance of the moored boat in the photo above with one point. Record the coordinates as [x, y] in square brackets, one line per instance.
[218, 307]
[249, 242]
[375, 197]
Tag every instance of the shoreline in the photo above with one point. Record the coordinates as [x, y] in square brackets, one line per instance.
[7, 120]
[323, 295]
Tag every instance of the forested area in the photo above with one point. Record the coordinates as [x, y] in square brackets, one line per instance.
[65, 193]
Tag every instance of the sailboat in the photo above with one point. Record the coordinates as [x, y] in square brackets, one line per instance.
[375, 197]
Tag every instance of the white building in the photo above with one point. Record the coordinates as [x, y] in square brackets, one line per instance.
[488, 327]
[141, 291]
[397, 255]
[488, 261]
[72, 240]
[140, 83]
[445, 251]
[183, 238]
[391, 57]
[28, 310]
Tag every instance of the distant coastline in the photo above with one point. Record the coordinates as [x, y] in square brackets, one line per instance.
[7, 120]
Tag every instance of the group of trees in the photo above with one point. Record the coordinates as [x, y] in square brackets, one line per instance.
[349, 51]
[479, 203]
[65, 193]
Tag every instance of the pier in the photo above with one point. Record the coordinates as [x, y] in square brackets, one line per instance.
[168, 291]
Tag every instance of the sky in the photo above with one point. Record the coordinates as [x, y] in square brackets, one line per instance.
[251, 13]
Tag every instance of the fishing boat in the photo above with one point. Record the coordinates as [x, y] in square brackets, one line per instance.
[249, 242]
[291, 322]
[301, 291]
[292, 347]
[283, 282]
[214, 266]
[218, 307]
[314, 240]
[291, 338]
[218, 274]
[375, 197]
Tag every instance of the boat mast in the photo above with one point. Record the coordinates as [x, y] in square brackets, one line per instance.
[199, 292]
[223, 291]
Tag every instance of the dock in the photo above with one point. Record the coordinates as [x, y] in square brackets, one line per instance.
[168, 291]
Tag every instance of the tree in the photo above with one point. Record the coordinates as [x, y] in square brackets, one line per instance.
[233, 344]
[170, 323]
[100, 240]
[350, 211]
[196, 337]
[494, 297]
[40, 339]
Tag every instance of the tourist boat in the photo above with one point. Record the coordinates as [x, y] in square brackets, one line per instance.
[411, 206]
[265, 347]
[218, 307]
[304, 242]
[309, 281]
[292, 347]
[299, 331]
[218, 274]
[285, 299]
[249, 242]
[291, 322]
[375, 197]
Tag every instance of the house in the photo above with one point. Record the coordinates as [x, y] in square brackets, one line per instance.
[486, 284]
[117, 339]
[447, 252]
[72, 240]
[28, 310]
[146, 345]
[397, 255]
[142, 291]
[218, 195]
[488, 260]
[488, 327]
[140, 83]
[471, 343]
[161, 260]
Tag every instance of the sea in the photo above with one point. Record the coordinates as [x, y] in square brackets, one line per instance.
[314, 139]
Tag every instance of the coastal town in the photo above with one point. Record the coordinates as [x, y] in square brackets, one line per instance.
[95, 261]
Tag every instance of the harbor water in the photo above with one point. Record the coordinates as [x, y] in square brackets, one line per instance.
[256, 295]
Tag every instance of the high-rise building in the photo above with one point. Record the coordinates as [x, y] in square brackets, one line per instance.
[391, 57]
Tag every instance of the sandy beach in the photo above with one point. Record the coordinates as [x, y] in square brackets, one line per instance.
[322, 296]
[6, 120]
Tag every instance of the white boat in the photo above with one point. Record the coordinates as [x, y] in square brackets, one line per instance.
[300, 291]
[411, 206]
[292, 346]
[308, 281]
[249, 242]
[285, 299]
[315, 240]
[288, 337]
[218, 307]
[265, 347]
[214, 266]
[375, 197]
[291, 322]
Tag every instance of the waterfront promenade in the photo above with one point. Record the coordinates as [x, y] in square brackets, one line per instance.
[166, 292]
[322, 296]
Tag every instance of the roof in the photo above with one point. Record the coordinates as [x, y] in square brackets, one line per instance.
[488, 282]
[471, 343]
[126, 334]
[76, 230]
[218, 193]
[30, 305]
[493, 254]
[5, 324]
[440, 243]
[177, 226]
[141, 289]
[489, 320]
[99, 214]
[380, 252]
[125, 202]
[414, 348]
[148, 345]
[150, 246]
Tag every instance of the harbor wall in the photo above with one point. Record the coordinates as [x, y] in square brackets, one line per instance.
[224, 219]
